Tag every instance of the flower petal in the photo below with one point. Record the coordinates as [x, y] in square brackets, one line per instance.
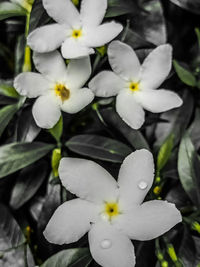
[129, 110]
[51, 65]
[124, 61]
[106, 84]
[74, 49]
[70, 221]
[119, 253]
[87, 179]
[156, 67]
[92, 12]
[158, 100]
[46, 38]
[31, 84]
[103, 34]
[78, 72]
[150, 220]
[135, 177]
[77, 101]
[46, 111]
[62, 11]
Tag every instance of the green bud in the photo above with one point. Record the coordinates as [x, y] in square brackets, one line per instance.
[196, 226]
[75, 2]
[172, 253]
[164, 264]
[55, 160]
[102, 50]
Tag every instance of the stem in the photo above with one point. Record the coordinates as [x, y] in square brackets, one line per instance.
[27, 53]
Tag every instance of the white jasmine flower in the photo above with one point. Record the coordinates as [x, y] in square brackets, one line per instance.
[76, 33]
[57, 87]
[111, 211]
[135, 84]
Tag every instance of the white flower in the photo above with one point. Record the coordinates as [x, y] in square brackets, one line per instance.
[57, 87]
[111, 211]
[76, 33]
[135, 84]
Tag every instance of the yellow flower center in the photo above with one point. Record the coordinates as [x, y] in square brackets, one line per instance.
[76, 33]
[111, 209]
[134, 86]
[62, 92]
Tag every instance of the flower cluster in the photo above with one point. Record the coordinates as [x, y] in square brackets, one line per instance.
[111, 211]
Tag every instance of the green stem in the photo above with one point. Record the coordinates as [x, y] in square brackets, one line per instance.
[27, 53]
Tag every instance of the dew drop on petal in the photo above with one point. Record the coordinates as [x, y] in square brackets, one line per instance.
[142, 185]
[106, 243]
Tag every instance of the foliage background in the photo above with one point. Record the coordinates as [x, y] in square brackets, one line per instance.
[29, 187]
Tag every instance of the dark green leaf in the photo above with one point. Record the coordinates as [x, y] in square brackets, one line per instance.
[191, 5]
[8, 90]
[57, 130]
[184, 75]
[70, 257]
[39, 16]
[134, 137]
[118, 8]
[8, 9]
[177, 121]
[27, 129]
[99, 147]
[194, 129]
[188, 169]
[27, 184]
[150, 25]
[6, 114]
[16, 156]
[135, 40]
[10, 233]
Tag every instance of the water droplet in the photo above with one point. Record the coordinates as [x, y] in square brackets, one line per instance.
[142, 185]
[106, 243]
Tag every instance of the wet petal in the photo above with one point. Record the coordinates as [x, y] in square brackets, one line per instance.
[109, 247]
[87, 179]
[135, 177]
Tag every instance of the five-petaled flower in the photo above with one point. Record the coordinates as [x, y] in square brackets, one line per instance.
[111, 211]
[135, 84]
[76, 33]
[58, 87]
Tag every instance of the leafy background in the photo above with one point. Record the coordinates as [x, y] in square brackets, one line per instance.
[30, 189]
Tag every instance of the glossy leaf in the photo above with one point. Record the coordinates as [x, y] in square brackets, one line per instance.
[27, 184]
[6, 114]
[184, 75]
[99, 147]
[118, 8]
[70, 257]
[8, 90]
[16, 156]
[191, 5]
[8, 9]
[10, 232]
[188, 169]
[134, 137]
